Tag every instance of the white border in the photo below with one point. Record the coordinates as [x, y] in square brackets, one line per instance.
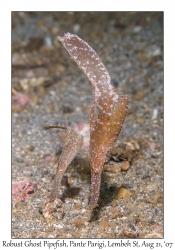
[5, 93]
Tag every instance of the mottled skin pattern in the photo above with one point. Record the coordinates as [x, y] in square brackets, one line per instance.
[73, 144]
[104, 132]
[107, 112]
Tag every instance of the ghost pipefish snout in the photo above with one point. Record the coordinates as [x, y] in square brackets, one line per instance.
[107, 111]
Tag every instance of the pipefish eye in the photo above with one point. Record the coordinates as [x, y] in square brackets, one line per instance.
[107, 109]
